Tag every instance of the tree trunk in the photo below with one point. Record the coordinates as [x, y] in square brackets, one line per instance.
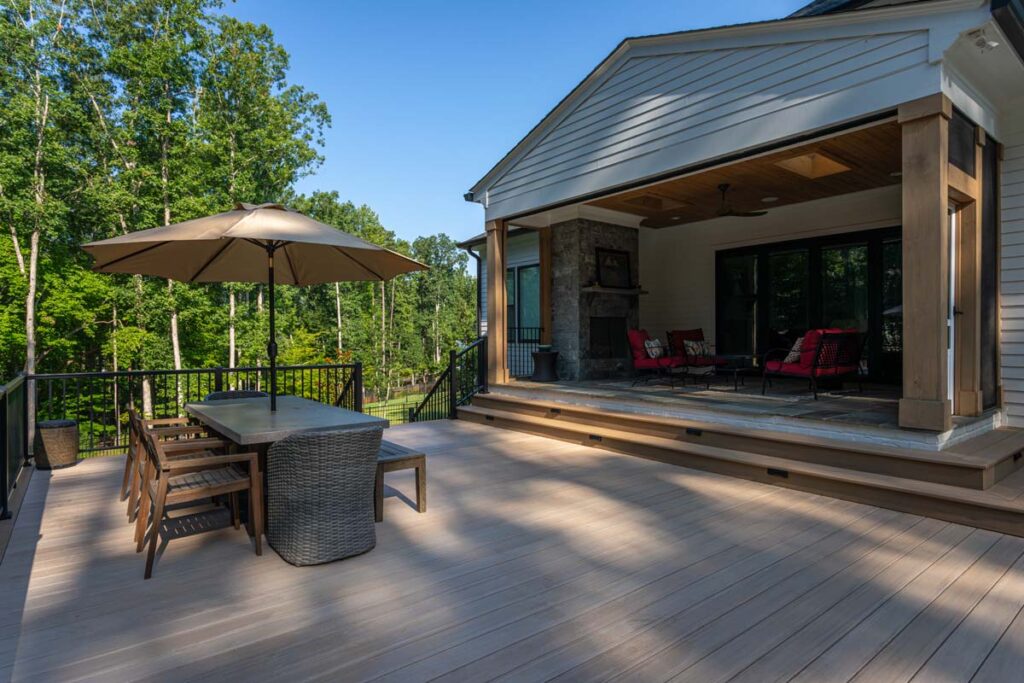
[147, 398]
[437, 332]
[42, 112]
[259, 319]
[165, 186]
[231, 335]
[337, 311]
[383, 337]
[17, 250]
[117, 405]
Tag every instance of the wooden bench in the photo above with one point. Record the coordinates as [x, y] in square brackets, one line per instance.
[392, 458]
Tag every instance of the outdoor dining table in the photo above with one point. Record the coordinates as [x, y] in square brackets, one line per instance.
[251, 426]
[249, 422]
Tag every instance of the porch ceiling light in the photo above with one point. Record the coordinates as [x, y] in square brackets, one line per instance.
[813, 165]
[769, 200]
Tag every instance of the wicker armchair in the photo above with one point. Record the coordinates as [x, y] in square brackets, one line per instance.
[320, 496]
[234, 393]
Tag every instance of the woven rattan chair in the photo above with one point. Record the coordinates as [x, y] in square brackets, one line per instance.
[234, 393]
[172, 478]
[320, 495]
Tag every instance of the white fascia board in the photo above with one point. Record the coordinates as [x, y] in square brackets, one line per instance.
[969, 101]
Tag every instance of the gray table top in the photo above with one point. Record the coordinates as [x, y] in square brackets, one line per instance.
[248, 421]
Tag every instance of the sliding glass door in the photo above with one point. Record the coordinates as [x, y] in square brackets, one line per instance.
[769, 295]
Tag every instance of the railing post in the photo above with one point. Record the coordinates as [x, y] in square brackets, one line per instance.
[218, 379]
[483, 366]
[357, 386]
[412, 415]
[25, 387]
[5, 511]
[453, 386]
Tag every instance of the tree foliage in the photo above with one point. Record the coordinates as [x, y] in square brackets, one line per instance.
[122, 116]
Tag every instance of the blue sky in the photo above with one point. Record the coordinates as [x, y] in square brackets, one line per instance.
[427, 96]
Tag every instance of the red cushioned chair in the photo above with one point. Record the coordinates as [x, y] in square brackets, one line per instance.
[677, 343]
[826, 353]
[646, 368]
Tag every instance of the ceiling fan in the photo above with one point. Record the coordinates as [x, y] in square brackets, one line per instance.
[665, 219]
[726, 209]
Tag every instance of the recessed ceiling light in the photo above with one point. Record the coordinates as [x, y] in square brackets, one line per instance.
[769, 200]
[677, 218]
[813, 165]
[897, 174]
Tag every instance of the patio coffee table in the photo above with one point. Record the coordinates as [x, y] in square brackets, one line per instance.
[736, 367]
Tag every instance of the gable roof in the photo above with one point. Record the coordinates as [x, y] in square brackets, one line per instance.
[810, 29]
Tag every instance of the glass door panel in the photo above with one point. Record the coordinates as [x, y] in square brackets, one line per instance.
[844, 287]
[737, 315]
[788, 296]
[891, 341]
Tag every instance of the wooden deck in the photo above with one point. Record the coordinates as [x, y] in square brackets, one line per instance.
[537, 559]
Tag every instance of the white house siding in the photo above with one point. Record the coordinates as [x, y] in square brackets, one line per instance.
[677, 265]
[523, 249]
[670, 103]
[1012, 270]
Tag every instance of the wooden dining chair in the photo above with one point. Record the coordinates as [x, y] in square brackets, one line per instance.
[172, 478]
[178, 429]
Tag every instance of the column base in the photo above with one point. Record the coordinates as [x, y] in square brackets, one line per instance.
[918, 413]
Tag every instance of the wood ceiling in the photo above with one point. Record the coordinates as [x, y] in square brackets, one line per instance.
[872, 155]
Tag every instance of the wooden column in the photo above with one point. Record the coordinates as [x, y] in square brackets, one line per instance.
[497, 304]
[544, 236]
[925, 403]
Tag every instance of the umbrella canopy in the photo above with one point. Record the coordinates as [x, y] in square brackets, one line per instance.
[232, 247]
[251, 243]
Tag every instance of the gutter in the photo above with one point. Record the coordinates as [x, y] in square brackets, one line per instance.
[479, 294]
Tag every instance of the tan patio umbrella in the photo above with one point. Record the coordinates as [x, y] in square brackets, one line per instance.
[242, 245]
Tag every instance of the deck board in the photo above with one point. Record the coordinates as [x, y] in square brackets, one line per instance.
[537, 559]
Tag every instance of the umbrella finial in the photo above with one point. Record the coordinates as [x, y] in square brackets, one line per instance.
[244, 206]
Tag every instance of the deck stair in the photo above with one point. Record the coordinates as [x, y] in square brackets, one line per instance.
[978, 482]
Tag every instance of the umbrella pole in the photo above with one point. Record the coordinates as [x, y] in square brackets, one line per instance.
[272, 343]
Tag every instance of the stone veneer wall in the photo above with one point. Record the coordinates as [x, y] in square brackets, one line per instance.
[573, 266]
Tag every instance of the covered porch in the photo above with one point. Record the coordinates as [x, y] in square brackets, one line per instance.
[886, 228]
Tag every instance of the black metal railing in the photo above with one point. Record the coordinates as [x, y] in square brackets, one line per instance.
[522, 342]
[13, 438]
[99, 401]
[465, 376]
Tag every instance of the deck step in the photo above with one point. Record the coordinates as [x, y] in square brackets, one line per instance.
[992, 457]
[983, 509]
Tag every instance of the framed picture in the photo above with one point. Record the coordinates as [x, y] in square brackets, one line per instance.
[613, 269]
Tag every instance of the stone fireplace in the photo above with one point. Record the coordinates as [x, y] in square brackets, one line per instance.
[589, 322]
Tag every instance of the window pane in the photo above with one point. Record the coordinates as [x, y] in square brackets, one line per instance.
[844, 287]
[737, 294]
[892, 297]
[529, 301]
[788, 301]
[510, 298]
